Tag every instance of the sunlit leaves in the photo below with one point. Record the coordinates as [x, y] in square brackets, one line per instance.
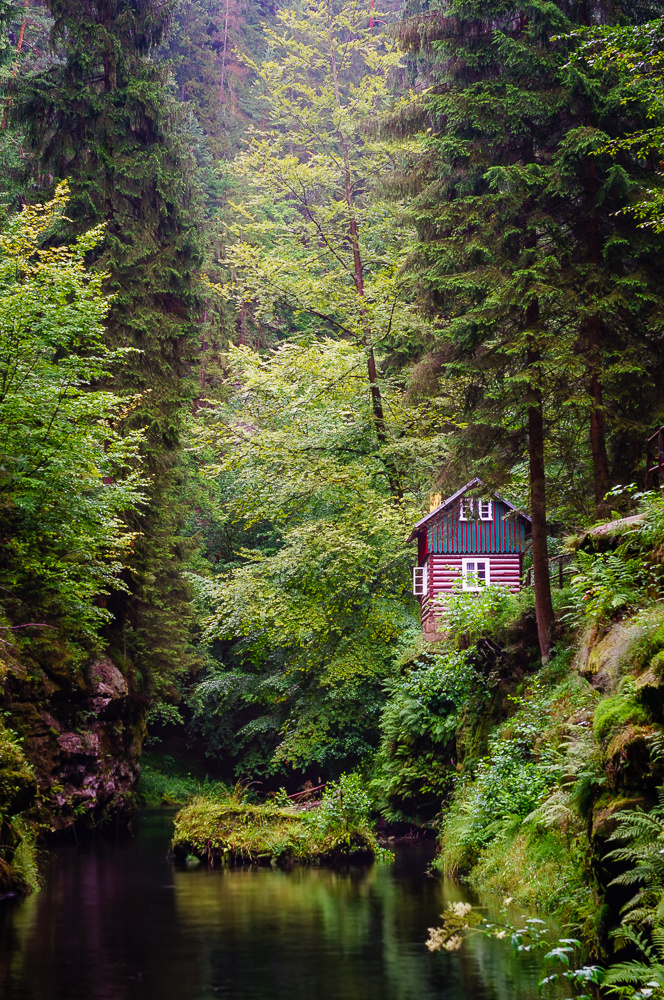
[67, 470]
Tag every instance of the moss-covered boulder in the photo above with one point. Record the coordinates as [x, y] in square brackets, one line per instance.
[226, 830]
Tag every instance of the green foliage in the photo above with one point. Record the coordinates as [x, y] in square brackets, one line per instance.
[311, 233]
[138, 179]
[509, 798]
[629, 577]
[609, 584]
[312, 610]
[345, 804]
[157, 788]
[69, 467]
[524, 254]
[8, 10]
[467, 618]
[641, 835]
[634, 52]
[505, 788]
[19, 872]
[415, 761]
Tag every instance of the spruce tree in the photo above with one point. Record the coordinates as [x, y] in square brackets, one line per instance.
[547, 300]
[103, 118]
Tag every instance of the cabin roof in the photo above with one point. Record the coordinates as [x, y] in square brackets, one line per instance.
[450, 500]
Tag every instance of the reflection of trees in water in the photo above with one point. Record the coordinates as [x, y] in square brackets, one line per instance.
[357, 934]
[117, 923]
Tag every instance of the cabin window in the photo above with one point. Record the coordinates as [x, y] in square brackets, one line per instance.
[475, 573]
[419, 581]
[470, 508]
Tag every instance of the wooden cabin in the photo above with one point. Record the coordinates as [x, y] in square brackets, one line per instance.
[466, 543]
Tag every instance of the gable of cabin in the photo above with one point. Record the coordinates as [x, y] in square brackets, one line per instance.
[449, 533]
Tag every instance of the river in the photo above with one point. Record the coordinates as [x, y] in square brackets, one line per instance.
[117, 921]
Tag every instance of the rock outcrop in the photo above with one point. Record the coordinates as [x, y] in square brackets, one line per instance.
[81, 728]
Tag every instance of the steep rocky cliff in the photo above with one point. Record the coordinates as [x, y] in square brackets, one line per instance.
[72, 754]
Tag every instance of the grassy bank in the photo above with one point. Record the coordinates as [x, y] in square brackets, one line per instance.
[551, 775]
[170, 777]
[223, 828]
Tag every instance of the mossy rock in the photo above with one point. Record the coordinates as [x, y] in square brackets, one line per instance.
[603, 659]
[606, 811]
[617, 713]
[227, 830]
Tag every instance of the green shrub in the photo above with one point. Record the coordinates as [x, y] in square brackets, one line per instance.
[345, 803]
[418, 729]
[506, 786]
[469, 617]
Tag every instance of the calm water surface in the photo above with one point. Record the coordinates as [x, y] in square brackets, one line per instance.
[119, 922]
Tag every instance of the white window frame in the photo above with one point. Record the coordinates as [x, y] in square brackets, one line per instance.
[469, 579]
[486, 510]
[467, 504]
[420, 581]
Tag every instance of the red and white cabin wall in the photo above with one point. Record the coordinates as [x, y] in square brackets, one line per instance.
[444, 574]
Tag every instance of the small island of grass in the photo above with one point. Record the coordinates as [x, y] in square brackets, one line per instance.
[227, 829]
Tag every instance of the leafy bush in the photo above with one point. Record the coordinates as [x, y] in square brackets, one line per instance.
[418, 725]
[506, 785]
[345, 803]
[468, 617]
[509, 782]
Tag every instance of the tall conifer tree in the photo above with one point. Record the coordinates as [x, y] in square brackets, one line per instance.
[103, 118]
[546, 297]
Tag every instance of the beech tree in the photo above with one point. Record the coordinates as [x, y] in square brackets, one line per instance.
[310, 234]
[306, 621]
[70, 469]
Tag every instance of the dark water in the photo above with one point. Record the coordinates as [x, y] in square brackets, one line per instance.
[118, 922]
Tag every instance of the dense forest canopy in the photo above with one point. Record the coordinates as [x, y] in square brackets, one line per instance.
[359, 255]
[273, 275]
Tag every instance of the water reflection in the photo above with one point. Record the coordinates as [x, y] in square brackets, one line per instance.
[117, 922]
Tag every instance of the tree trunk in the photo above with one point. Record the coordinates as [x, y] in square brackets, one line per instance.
[537, 475]
[601, 477]
[223, 61]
